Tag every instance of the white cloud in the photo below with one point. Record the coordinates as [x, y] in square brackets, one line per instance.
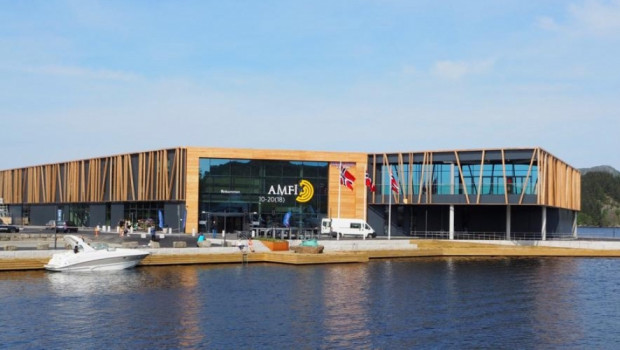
[590, 18]
[459, 69]
[82, 73]
[409, 70]
[597, 17]
[548, 23]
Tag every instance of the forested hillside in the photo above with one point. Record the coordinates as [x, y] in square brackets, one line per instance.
[600, 197]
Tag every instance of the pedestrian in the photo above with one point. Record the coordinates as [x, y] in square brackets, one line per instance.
[240, 245]
[214, 227]
[201, 238]
[251, 244]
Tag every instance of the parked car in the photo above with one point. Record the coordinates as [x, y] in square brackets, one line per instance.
[66, 226]
[8, 228]
[51, 225]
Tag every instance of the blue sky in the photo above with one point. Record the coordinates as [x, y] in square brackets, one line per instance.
[82, 79]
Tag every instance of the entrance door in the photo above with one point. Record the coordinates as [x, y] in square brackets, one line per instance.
[230, 222]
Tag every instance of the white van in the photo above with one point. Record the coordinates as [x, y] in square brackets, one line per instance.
[347, 227]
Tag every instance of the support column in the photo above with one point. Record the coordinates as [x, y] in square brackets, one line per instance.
[543, 230]
[574, 224]
[451, 224]
[508, 218]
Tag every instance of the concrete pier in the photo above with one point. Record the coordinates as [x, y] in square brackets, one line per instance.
[337, 252]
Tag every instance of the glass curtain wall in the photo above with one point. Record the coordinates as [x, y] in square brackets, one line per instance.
[237, 194]
[438, 179]
[143, 214]
[493, 179]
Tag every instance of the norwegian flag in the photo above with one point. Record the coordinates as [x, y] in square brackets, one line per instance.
[394, 184]
[346, 178]
[369, 183]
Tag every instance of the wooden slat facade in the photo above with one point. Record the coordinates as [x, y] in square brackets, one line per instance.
[558, 184]
[147, 176]
[173, 175]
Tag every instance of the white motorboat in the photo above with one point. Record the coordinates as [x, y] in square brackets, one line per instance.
[98, 257]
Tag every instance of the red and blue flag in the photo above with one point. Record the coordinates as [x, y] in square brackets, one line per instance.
[369, 184]
[346, 178]
[394, 184]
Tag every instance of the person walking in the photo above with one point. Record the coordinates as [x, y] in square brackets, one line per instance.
[201, 238]
[251, 245]
[152, 232]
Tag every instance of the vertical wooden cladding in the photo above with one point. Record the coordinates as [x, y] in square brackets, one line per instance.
[11, 186]
[560, 184]
[557, 183]
[160, 176]
[157, 175]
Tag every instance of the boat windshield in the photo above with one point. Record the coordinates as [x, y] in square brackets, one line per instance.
[99, 246]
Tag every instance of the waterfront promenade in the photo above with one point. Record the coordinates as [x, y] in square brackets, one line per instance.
[31, 252]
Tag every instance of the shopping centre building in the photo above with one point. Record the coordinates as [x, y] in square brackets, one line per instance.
[516, 193]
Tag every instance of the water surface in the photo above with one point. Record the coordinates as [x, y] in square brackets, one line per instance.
[524, 303]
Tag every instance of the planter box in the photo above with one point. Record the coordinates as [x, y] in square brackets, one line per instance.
[274, 246]
[308, 250]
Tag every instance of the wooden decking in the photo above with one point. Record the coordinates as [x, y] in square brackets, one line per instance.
[426, 248]
[455, 248]
[23, 264]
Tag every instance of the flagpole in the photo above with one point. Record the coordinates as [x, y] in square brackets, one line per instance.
[365, 194]
[339, 185]
[390, 211]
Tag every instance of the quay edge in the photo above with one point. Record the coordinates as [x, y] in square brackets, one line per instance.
[338, 252]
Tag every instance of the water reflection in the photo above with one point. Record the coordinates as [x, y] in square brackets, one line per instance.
[89, 283]
[402, 303]
[346, 301]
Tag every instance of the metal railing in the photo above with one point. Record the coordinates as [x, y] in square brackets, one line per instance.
[489, 236]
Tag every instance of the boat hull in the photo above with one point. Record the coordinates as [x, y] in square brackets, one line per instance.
[90, 262]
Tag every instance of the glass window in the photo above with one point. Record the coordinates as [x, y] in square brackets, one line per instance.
[273, 169]
[220, 167]
[312, 169]
[292, 169]
[241, 168]
[265, 190]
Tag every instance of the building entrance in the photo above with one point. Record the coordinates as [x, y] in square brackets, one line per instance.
[230, 222]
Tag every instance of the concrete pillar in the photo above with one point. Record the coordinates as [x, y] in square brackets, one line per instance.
[575, 225]
[543, 231]
[508, 218]
[451, 224]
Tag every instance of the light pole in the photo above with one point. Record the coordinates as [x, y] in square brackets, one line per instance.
[224, 231]
[206, 218]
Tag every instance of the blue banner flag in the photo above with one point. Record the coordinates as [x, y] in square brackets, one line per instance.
[287, 219]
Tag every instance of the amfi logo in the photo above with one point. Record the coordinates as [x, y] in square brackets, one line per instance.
[307, 191]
